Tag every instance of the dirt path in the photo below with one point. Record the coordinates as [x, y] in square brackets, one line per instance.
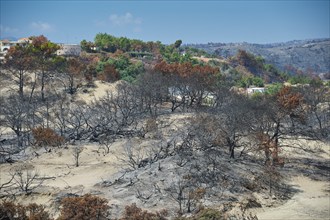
[312, 202]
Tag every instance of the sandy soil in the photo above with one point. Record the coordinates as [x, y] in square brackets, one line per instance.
[311, 202]
[61, 175]
[100, 90]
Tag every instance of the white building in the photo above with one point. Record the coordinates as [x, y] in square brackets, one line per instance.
[69, 50]
[65, 49]
[256, 90]
[6, 44]
[4, 47]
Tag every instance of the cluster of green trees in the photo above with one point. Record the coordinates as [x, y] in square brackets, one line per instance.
[109, 43]
[121, 66]
[196, 52]
[174, 54]
[302, 79]
[247, 81]
[171, 53]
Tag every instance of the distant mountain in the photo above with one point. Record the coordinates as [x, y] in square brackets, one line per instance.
[306, 55]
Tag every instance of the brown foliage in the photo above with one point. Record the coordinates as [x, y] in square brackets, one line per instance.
[132, 212]
[36, 212]
[109, 74]
[20, 58]
[271, 149]
[10, 210]
[85, 207]
[46, 137]
[43, 46]
[247, 59]
[291, 103]
[75, 66]
[37, 41]
[288, 99]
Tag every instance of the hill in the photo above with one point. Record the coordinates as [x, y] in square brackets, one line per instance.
[306, 55]
[151, 170]
[161, 128]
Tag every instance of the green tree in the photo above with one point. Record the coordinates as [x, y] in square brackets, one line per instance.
[124, 44]
[105, 42]
[87, 46]
[299, 79]
[130, 73]
[177, 43]
[274, 88]
[257, 81]
[247, 81]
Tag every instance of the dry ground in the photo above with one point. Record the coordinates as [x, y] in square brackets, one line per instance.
[312, 201]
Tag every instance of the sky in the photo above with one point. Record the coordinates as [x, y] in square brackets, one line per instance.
[195, 21]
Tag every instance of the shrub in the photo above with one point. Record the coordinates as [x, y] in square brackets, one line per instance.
[209, 214]
[132, 212]
[10, 211]
[36, 212]
[84, 207]
[45, 137]
[109, 73]
[205, 214]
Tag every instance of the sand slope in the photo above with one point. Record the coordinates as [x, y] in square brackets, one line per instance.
[312, 202]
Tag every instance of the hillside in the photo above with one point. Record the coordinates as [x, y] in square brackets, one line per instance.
[307, 55]
[148, 170]
[158, 134]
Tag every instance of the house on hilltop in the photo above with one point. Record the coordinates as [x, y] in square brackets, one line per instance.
[65, 49]
[254, 90]
[69, 50]
[6, 44]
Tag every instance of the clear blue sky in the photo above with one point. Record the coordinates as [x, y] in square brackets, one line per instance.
[191, 21]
